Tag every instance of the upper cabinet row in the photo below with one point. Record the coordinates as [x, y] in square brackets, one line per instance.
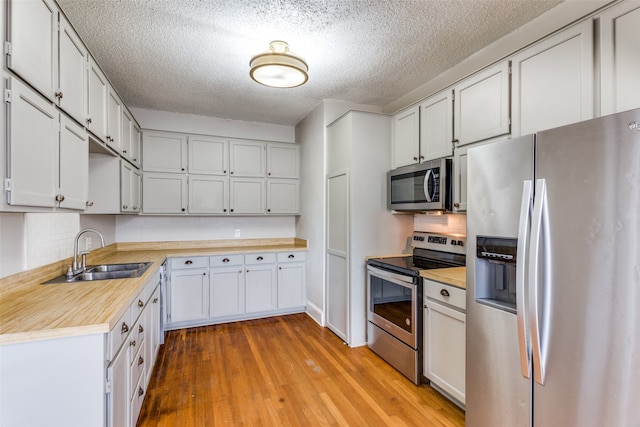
[44, 50]
[197, 174]
[549, 84]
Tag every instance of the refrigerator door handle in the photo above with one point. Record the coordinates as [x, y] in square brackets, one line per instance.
[521, 314]
[539, 325]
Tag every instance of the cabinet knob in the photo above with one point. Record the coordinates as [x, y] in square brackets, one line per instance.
[155, 300]
[89, 203]
[135, 160]
[135, 208]
[140, 329]
[224, 171]
[415, 159]
[455, 141]
[224, 210]
[279, 268]
[132, 343]
[124, 151]
[125, 206]
[291, 256]
[231, 210]
[182, 169]
[204, 274]
[59, 95]
[89, 120]
[183, 209]
[225, 260]
[188, 262]
[444, 292]
[140, 391]
[456, 205]
[259, 258]
[269, 174]
[59, 198]
[268, 210]
[421, 157]
[140, 304]
[124, 329]
[140, 360]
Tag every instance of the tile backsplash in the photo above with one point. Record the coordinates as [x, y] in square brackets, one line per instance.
[448, 223]
[49, 237]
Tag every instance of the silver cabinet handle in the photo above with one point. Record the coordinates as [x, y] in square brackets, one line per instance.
[444, 292]
[140, 360]
[124, 329]
[140, 329]
[140, 303]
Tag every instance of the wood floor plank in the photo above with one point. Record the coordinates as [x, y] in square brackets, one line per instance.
[282, 371]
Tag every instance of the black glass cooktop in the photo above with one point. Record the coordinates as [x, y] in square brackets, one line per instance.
[408, 265]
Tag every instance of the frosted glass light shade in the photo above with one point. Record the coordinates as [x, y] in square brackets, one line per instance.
[278, 67]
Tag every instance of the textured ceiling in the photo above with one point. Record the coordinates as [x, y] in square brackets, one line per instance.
[192, 56]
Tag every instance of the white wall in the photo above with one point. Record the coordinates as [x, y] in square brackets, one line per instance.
[451, 223]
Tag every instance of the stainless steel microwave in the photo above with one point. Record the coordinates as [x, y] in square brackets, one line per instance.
[421, 187]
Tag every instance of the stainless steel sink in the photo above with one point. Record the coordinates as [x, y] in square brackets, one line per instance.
[104, 272]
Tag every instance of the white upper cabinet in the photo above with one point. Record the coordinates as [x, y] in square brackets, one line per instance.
[208, 194]
[98, 93]
[74, 165]
[283, 160]
[436, 126]
[208, 155]
[246, 196]
[33, 142]
[247, 158]
[482, 105]
[72, 75]
[406, 137]
[283, 196]
[114, 120]
[164, 152]
[164, 193]
[32, 52]
[136, 140]
[553, 81]
[620, 63]
[129, 188]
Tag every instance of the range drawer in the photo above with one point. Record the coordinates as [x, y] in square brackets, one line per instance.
[446, 294]
[226, 260]
[252, 259]
[189, 262]
[291, 257]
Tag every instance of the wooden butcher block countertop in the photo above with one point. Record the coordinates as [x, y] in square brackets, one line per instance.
[30, 311]
[455, 276]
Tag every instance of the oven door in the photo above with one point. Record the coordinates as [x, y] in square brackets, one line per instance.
[393, 304]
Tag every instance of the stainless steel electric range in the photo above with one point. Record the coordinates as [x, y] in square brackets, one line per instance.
[394, 298]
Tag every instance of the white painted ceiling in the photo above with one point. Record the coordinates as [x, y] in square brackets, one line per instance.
[192, 56]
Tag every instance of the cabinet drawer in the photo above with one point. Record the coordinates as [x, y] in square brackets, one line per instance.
[189, 262]
[136, 338]
[119, 333]
[291, 257]
[447, 294]
[137, 399]
[137, 369]
[226, 260]
[138, 304]
[253, 259]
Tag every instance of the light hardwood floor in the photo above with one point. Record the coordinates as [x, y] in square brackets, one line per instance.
[282, 371]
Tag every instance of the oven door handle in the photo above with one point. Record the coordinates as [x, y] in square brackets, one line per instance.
[399, 279]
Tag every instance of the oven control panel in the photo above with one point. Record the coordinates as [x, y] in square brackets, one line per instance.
[455, 243]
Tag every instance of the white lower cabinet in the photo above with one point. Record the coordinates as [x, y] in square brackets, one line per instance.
[445, 339]
[261, 291]
[188, 290]
[235, 287]
[226, 279]
[291, 279]
[118, 389]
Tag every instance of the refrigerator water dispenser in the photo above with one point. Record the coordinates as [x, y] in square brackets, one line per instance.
[496, 272]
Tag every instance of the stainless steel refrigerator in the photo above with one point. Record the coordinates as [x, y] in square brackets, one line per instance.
[553, 277]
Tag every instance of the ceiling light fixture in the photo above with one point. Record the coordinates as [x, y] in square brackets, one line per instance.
[278, 67]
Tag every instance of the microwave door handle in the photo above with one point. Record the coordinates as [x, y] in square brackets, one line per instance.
[427, 187]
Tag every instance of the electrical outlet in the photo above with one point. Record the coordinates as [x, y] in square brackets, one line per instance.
[236, 233]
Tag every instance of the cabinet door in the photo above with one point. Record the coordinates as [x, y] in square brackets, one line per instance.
[164, 152]
[125, 186]
[33, 147]
[136, 185]
[74, 165]
[482, 105]
[126, 134]
[114, 121]
[189, 295]
[153, 329]
[247, 196]
[33, 34]
[208, 194]
[261, 290]
[460, 179]
[208, 155]
[136, 137]
[283, 196]
[291, 285]
[247, 158]
[104, 184]
[444, 348]
[118, 392]
[406, 137]
[553, 81]
[283, 160]
[98, 92]
[72, 74]
[436, 126]
[620, 67]
[164, 193]
[227, 291]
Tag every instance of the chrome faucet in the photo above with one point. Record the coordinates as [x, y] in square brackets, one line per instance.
[79, 266]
